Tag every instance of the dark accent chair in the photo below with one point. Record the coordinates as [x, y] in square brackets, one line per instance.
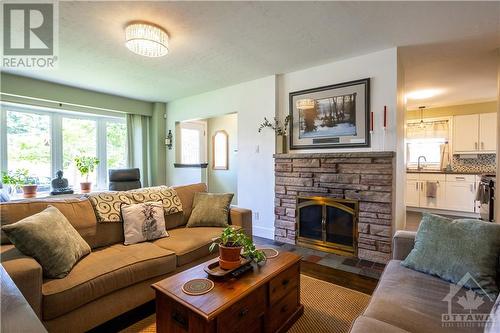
[124, 179]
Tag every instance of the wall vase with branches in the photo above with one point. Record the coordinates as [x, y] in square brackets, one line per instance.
[280, 131]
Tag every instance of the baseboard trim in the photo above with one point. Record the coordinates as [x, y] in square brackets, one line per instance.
[263, 232]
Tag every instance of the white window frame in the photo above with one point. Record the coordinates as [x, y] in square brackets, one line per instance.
[56, 117]
[201, 127]
[431, 166]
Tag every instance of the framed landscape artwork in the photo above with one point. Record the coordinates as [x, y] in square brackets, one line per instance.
[335, 116]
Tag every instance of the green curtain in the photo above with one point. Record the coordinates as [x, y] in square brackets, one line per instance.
[139, 146]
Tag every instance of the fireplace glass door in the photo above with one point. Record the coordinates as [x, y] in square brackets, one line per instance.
[328, 224]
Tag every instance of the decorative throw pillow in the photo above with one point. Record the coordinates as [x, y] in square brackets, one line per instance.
[167, 195]
[143, 222]
[49, 238]
[210, 210]
[450, 249]
[107, 205]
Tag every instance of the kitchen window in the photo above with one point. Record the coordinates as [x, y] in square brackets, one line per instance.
[429, 140]
[44, 140]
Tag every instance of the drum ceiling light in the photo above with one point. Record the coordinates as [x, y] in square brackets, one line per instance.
[146, 39]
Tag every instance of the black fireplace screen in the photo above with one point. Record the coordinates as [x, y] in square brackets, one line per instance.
[328, 223]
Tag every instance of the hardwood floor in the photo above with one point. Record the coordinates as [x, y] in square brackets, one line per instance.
[349, 280]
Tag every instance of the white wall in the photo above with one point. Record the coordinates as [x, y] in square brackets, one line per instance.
[224, 181]
[380, 67]
[252, 101]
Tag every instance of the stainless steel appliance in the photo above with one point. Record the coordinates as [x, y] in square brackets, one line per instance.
[486, 197]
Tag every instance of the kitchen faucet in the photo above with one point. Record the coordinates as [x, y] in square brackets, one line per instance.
[418, 166]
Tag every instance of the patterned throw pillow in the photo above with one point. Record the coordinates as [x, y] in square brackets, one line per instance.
[168, 197]
[107, 205]
[143, 222]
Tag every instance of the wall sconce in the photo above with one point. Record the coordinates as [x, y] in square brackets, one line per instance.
[169, 140]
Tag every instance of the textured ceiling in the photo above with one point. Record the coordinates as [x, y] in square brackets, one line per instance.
[216, 44]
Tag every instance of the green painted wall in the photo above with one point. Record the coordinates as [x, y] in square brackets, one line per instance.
[26, 90]
[454, 110]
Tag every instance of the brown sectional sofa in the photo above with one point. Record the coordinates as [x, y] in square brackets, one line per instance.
[113, 278]
[406, 300]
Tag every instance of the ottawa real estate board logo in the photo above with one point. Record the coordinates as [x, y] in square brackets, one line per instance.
[30, 34]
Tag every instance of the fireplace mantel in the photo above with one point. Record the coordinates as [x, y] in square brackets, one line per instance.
[363, 176]
[369, 154]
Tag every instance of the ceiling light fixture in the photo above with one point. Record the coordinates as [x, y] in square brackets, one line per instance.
[423, 94]
[146, 39]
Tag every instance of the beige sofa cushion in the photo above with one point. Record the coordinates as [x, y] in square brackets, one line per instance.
[186, 194]
[102, 272]
[412, 301]
[79, 213]
[366, 324]
[189, 244]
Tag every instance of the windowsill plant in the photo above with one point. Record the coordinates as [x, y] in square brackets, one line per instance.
[20, 179]
[86, 165]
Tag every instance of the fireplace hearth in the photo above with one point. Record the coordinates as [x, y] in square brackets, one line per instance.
[328, 224]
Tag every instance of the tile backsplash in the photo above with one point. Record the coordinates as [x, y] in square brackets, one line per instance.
[484, 163]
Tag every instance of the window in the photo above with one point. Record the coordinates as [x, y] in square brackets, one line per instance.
[45, 140]
[192, 145]
[220, 143]
[29, 145]
[430, 140]
[79, 139]
[116, 138]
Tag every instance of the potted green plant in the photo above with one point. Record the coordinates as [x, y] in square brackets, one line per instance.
[20, 179]
[231, 243]
[280, 130]
[86, 165]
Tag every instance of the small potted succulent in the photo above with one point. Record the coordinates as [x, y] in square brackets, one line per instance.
[231, 243]
[21, 179]
[86, 165]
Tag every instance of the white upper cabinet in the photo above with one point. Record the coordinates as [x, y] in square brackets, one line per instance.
[475, 134]
[488, 132]
[465, 133]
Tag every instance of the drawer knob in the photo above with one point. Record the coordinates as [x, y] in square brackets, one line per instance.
[243, 313]
[284, 309]
[285, 282]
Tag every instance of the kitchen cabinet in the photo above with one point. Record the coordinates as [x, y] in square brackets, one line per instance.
[455, 192]
[488, 132]
[475, 133]
[416, 190]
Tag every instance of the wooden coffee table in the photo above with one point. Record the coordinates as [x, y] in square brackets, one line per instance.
[266, 299]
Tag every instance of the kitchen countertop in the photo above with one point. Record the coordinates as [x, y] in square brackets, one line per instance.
[448, 173]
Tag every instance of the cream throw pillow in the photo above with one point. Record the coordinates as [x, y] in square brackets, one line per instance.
[143, 222]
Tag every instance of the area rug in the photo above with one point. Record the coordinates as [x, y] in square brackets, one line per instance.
[327, 308]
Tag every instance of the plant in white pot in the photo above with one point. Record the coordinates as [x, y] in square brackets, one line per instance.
[20, 179]
[280, 131]
[86, 165]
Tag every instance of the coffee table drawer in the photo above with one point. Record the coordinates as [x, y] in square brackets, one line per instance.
[283, 283]
[283, 310]
[243, 314]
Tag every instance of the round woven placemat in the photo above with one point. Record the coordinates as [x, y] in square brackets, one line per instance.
[197, 287]
[270, 253]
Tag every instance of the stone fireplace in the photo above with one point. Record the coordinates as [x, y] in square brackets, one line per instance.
[362, 181]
